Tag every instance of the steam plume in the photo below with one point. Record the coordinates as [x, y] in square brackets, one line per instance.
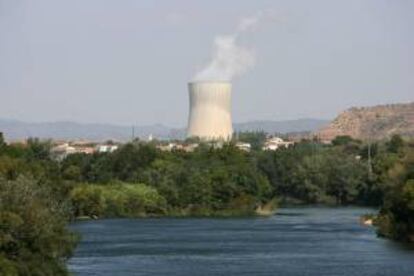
[230, 59]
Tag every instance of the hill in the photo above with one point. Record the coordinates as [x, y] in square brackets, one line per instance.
[288, 126]
[377, 122]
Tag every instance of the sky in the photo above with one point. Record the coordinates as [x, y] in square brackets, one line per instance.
[128, 62]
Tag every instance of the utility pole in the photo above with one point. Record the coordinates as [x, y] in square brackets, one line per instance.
[369, 157]
[369, 161]
[133, 133]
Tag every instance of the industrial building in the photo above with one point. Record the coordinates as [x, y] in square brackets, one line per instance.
[210, 110]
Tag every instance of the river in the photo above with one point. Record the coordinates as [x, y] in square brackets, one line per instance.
[296, 241]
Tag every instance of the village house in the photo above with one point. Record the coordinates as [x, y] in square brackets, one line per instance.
[243, 146]
[275, 143]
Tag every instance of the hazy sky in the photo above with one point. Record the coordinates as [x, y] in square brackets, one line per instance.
[128, 62]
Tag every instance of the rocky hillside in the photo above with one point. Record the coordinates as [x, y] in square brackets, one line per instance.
[375, 122]
[288, 126]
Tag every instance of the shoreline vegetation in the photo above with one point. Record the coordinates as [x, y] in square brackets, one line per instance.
[39, 195]
[264, 210]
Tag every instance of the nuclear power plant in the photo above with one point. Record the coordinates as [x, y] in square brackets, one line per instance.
[210, 114]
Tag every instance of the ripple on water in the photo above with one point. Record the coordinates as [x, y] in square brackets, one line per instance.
[297, 241]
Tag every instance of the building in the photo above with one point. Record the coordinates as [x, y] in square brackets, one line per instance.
[243, 146]
[275, 143]
[175, 146]
[106, 148]
[190, 147]
[63, 149]
[210, 114]
[169, 147]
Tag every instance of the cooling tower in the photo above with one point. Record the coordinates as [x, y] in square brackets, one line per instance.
[210, 115]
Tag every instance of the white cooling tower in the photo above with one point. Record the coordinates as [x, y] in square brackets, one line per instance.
[210, 115]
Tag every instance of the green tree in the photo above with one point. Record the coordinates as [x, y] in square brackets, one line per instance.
[348, 144]
[346, 178]
[396, 218]
[37, 149]
[33, 235]
[2, 142]
[256, 139]
[342, 140]
[395, 144]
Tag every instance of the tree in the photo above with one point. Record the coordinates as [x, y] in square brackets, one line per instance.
[33, 235]
[2, 143]
[348, 144]
[131, 158]
[342, 140]
[38, 150]
[395, 144]
[346, 179]
[396, 218]
[256, 139]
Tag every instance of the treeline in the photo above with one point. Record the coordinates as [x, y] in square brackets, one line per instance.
[212, 179]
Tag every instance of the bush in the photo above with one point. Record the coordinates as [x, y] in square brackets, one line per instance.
[396, 219]
[33, 235]
[117, 199]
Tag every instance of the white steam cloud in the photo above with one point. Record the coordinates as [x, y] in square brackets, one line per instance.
[230, 59]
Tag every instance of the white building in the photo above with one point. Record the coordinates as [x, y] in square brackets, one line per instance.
[168, 147]
[275, 143]
[176, 146]
[243, 146]
[61, 151]
[106, 148]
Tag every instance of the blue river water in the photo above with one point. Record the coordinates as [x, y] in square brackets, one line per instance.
[296, 241]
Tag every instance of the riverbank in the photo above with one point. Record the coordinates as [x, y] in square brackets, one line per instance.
[262, 210]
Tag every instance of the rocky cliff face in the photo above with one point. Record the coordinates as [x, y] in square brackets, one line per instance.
[377, 122]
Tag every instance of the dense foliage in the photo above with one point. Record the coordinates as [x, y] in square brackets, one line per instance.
[116, 200]
[396, 218]
[34, 211]
[312, 172]
[207, 181]
[33, 235]
[256, 139]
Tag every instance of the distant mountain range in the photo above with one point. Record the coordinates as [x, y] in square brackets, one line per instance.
[18, 130]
